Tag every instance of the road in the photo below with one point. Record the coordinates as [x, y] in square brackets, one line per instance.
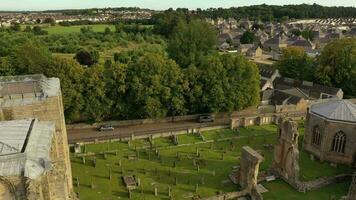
[90, 134]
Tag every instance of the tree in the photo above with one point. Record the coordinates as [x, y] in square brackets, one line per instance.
[115, 81]
[31, 58]
[87, 58]
[188, 46]
[154, 87]
[28, 29]
[307, 34]
[97, 104]
[37, 30]
[248, 38]
[229, 83]
[71, 75]
[107, 31]
[15, 27]
[295, 63]
[6, 68]
[337, 65]
[121, 57]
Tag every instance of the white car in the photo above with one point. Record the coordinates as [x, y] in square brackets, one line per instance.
[106, 127]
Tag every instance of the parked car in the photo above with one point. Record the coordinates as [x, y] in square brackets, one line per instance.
[106, 127]
[206, 118]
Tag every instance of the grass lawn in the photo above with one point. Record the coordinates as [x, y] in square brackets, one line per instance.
[160, 171]
[57, 29]
[279, 190]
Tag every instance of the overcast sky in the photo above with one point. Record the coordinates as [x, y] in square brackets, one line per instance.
[152, 4]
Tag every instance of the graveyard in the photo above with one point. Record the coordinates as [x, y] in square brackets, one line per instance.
[189, 166]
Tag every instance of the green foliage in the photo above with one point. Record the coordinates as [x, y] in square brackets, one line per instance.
[87, 58]
[37, 30]
[30, 58]
[154, 87]
[97, 104]
[296, 32]
[15, 27]
[6, 68]
[188, 46]
[221, 83]
[295, 63]
[115, 82]
[280, 13]
[307, 34]
[71, 75]
[248, 38]
[337, 65]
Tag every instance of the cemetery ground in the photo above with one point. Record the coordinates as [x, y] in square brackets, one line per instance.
[198, 165]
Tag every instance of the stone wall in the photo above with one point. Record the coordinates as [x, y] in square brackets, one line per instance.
[57, 184]
[328, 129]
[286, 153]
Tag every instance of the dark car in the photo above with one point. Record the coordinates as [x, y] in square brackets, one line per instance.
[106, 127]
[206, 118]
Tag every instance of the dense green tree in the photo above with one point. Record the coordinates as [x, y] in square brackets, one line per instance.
[28, 29]
[37, 30]
[307, 34]
[31, 58]
[188, 46]
[87, 58]
[229, 83]
[115, 81]
[122, 57]
[295, 63]
[337, 65]
[154, 87]
[97, 104]
[6, 68]
[71, 75]
[193, 89]
[248, 38]
[15, 27]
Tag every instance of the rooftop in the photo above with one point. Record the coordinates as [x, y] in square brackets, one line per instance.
[21, 89]
[25, 147]
[338, 110]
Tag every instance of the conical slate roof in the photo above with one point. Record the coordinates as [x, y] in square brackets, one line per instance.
[339, 110]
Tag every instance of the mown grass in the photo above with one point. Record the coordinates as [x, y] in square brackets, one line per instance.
[159, 170]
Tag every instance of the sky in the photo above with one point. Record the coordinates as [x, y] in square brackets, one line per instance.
[16, 5]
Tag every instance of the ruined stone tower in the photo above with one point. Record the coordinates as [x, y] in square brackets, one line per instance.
[38, 97]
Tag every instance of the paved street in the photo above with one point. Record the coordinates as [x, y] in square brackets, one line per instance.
[85, 135]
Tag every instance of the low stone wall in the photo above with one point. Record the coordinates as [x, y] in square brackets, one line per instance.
[230, 195]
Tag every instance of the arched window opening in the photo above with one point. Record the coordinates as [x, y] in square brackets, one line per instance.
[339, 142]
[316, 135]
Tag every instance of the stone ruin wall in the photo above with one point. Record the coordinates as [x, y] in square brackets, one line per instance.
[249, 167]
[286, 153]
[57, 183]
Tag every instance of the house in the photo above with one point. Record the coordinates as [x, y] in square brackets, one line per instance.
[245, 23]
[311, 90]
[303, 43]
[243, 48]
[268, 75]
[283, 101]
[255, 52]
[224, 46]
[276, 43]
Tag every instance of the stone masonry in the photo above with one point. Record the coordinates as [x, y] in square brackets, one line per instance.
[286, 153]
[39, 97]
[248, 172]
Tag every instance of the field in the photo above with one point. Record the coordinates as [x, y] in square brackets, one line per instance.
[195, 167]
[57, 29]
